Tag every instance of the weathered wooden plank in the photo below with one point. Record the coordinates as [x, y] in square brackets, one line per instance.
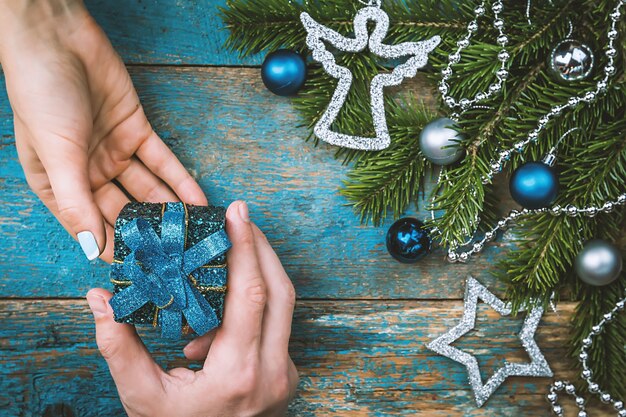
[167, 31]
[240, 141]
[355, 358]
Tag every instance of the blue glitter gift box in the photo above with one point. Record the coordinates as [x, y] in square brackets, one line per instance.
[169, 267]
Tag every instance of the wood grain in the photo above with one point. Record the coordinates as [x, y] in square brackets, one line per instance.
[169, 32]
[362, 319]
[355, 358]
[240, 141]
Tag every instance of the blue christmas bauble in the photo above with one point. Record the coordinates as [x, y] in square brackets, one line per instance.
[534, 185]
[408, 240]
[283, 72]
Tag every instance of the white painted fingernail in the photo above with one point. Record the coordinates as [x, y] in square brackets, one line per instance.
[88, 244]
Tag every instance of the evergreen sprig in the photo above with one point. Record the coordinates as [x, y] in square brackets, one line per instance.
[592, 160]
[391, 179]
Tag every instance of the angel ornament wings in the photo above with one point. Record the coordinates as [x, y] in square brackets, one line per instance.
[416, 52]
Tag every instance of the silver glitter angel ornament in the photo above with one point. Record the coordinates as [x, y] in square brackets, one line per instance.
[416, 54]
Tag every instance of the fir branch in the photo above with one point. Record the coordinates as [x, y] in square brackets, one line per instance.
[547, 244]
[595, 171]
[548, 252]
[463, 195]
[539, 41]
[606, 355]
[391, 179]
[594, 163]
[258, 25]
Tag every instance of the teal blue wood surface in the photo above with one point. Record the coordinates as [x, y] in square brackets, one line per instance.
[240, 141]
[355, 358]
[167, 31]
[361, 320]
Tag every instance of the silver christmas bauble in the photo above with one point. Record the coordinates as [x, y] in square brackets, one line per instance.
[599, 263]
[571, 60]
[439, 142]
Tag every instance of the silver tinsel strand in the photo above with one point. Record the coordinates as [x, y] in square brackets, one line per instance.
[587, 373]
[455, 254]
[416, 51]
[538, 365]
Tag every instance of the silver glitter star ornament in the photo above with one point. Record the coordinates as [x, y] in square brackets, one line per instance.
[538, 365]
[417, 53]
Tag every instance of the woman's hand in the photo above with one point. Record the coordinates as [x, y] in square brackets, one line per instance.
[79, 124]
[247, 370]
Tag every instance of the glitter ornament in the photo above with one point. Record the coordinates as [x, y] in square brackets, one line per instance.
[538, 365]
[439, 142]
[416, 52]
[283, 72]
[599, 263]
[571, 60]
[408, 240]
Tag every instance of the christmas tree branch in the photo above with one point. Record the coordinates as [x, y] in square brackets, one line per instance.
[606, 355]
[592, 160]
[373, 182]
[549, 244]
[465, 182]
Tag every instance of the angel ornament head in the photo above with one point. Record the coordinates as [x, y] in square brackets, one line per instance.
[416, 54]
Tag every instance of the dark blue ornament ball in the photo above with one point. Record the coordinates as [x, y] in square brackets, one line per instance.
[534, 185]
[283, 72]
[408, 240]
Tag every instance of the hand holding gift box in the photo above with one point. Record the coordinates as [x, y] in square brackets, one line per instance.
[246, 365]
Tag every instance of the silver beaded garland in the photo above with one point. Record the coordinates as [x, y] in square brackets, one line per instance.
[593, 387]
[503, 56]
[454, 255]
[496, 166]
[416, 52]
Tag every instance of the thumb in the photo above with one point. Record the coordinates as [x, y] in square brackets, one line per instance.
[130, 363]
[66, 167]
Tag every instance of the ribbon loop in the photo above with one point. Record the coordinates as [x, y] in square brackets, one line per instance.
[159, 269]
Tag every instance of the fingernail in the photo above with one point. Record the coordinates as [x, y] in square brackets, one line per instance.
[189, 347]
[243, 212]
[98, 306]
[88, 244]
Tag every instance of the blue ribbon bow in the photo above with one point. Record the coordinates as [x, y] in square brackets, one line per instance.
[159, 271]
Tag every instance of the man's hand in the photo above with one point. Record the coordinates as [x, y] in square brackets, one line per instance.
[79, 124]
[247, 370]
